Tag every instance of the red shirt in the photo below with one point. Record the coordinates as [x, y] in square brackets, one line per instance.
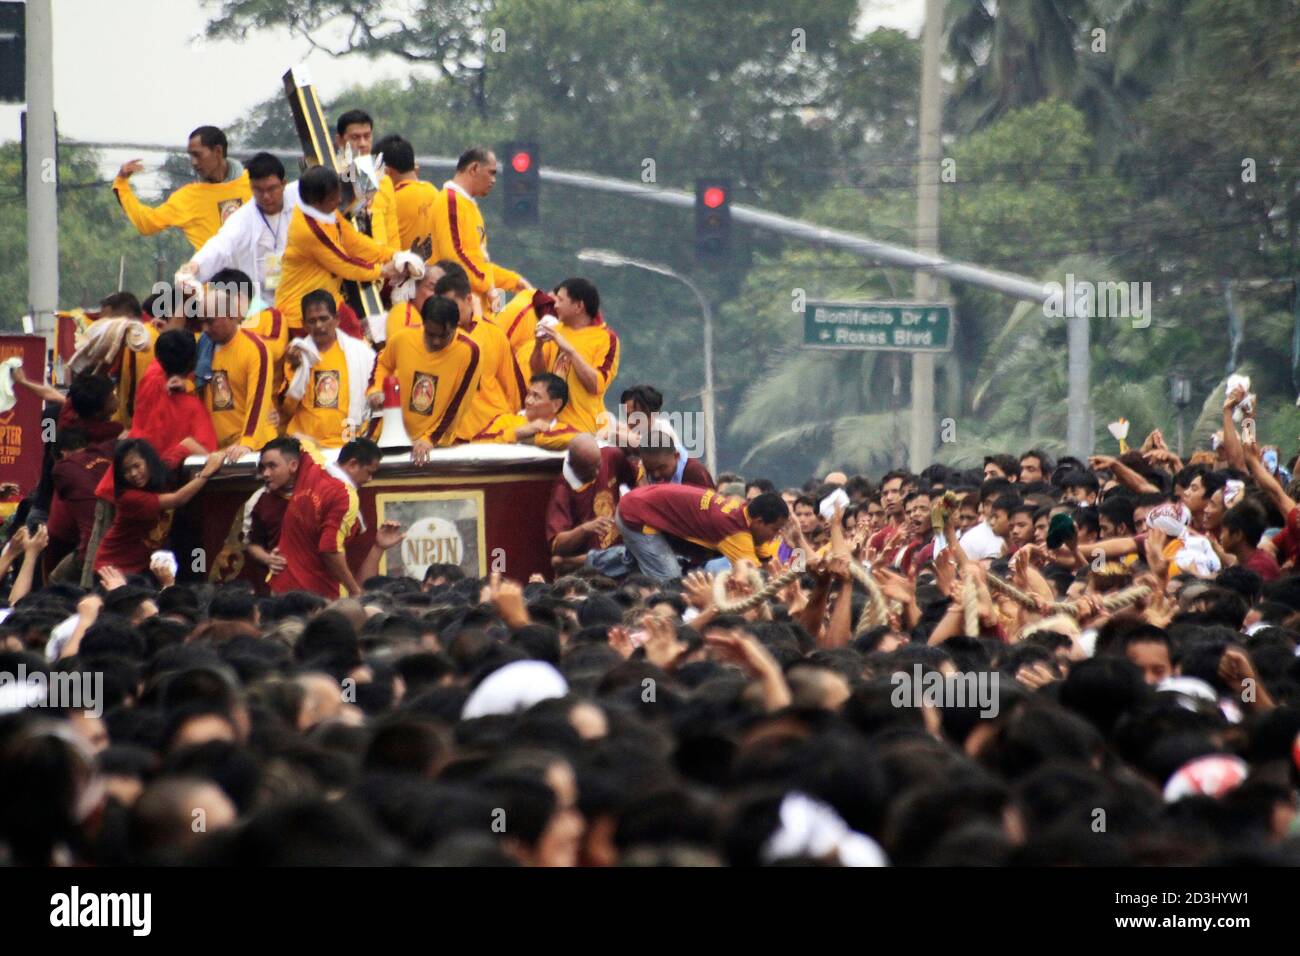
[72, 512]
[1262, 563]
[319, 518]
[881, 537]
[139, 527]
[597, 498]
[163, 418]
[706, 518]
[1287, 541]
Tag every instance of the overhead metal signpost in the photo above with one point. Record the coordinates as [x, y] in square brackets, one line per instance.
[878, 326]
[1008, 284]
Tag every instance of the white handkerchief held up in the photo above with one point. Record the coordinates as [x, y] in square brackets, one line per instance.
[7, 397]
[413, 268]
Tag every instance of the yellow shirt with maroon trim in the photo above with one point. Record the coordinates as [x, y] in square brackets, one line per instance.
[384, 226]
[133, 368]
[459, 235]
[403, 315]
[196, 209]
[270, 326]
[598, 345]
[435, 387]
[501, 389]
[321, 255]
[414, 200]
[239, 395]
[502, 431]
[518, 320]
[324, 407]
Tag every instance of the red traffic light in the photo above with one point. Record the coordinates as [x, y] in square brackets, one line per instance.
[521, 162]
[714, 197]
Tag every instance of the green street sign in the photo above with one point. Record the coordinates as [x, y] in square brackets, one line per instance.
[878, 326]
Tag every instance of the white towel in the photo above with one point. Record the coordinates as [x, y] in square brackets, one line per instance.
[413, 266]
[310, 357]
[7, 397]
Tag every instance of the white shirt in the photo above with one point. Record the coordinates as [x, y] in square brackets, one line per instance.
[246, 240]
[980, 542]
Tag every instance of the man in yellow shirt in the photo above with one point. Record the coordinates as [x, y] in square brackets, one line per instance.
[536, 424]
[582, 350]
[130, 364]
[406, 315]
[437, 369]
[458, 231]
[501, 389]
[324, 248]
[355, 128]
[238, 396]
[197, 209]
[414, 196]
[325, 402]
[518, 320]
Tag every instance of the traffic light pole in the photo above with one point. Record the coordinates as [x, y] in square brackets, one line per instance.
[42, 176]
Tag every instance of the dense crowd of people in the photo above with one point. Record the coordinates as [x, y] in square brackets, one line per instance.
[1034, 662]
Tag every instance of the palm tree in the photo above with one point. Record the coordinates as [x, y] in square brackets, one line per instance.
[1013, 53]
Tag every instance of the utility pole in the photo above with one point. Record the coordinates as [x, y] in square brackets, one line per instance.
[1078, 423]
[42, 173]
[925, 285]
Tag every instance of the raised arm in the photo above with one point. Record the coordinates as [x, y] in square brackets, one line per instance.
[182, 496]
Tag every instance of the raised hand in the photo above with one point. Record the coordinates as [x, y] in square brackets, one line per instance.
[389, 535]
[698, 588]
[111, 578]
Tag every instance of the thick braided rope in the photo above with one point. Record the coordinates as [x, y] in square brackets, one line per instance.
[1125, 597]
[876, 612]
[970, 607]
[761, 591]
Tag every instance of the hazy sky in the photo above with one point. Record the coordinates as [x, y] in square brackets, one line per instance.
[131, 71]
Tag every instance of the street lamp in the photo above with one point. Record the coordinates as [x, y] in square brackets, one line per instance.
[604, 257]
[1180, 393]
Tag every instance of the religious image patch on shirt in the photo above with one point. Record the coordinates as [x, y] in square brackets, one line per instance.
[227, 206]
[424, 389]
[325, 388]
[223, 399]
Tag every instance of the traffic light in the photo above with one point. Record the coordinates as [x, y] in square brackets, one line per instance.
[521, 177]
[13, 52]
[712, 219]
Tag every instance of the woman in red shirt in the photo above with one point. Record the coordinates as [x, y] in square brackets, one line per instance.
[143, 514]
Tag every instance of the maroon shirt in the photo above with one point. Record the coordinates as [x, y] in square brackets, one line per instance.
[268, 513]
[704, 518]
[139, 527]
[97, 431]
[597, 498]
[696, 474]
[72, 512]
[1262, 563]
